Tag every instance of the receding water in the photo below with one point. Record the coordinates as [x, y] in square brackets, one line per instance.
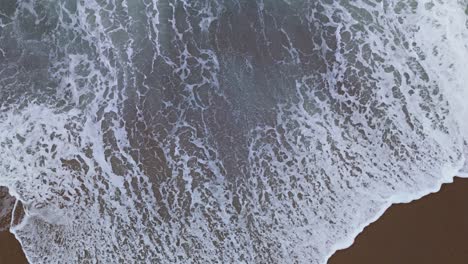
[268, 131]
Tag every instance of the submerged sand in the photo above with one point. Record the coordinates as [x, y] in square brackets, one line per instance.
[433, 229]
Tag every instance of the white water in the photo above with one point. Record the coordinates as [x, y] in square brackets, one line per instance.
[161, 132]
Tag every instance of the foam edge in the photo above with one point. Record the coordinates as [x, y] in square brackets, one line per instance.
[448, 177]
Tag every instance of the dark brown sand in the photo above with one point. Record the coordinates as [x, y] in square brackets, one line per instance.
[433, 229]
[10, 249]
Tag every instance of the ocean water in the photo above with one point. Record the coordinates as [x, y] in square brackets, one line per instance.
[230, 131]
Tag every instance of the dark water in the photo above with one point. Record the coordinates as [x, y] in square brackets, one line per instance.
[223, 131]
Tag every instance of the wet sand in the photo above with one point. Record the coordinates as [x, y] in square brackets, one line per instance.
[433, 229]
[10, 250]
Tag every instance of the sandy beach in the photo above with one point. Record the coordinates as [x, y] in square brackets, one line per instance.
[10, 249]
[433, 229]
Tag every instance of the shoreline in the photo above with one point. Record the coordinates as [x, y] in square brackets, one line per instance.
[406, 232]
[406, 199]
[450, 175]
[11, 250]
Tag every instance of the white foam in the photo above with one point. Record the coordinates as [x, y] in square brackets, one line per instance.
[307, 182]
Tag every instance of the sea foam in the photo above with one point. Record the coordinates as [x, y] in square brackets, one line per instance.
[224, 132]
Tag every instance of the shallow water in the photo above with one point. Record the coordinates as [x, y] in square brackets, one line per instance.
[224, 132]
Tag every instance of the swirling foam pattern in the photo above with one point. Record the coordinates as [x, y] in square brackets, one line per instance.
[231, 131]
